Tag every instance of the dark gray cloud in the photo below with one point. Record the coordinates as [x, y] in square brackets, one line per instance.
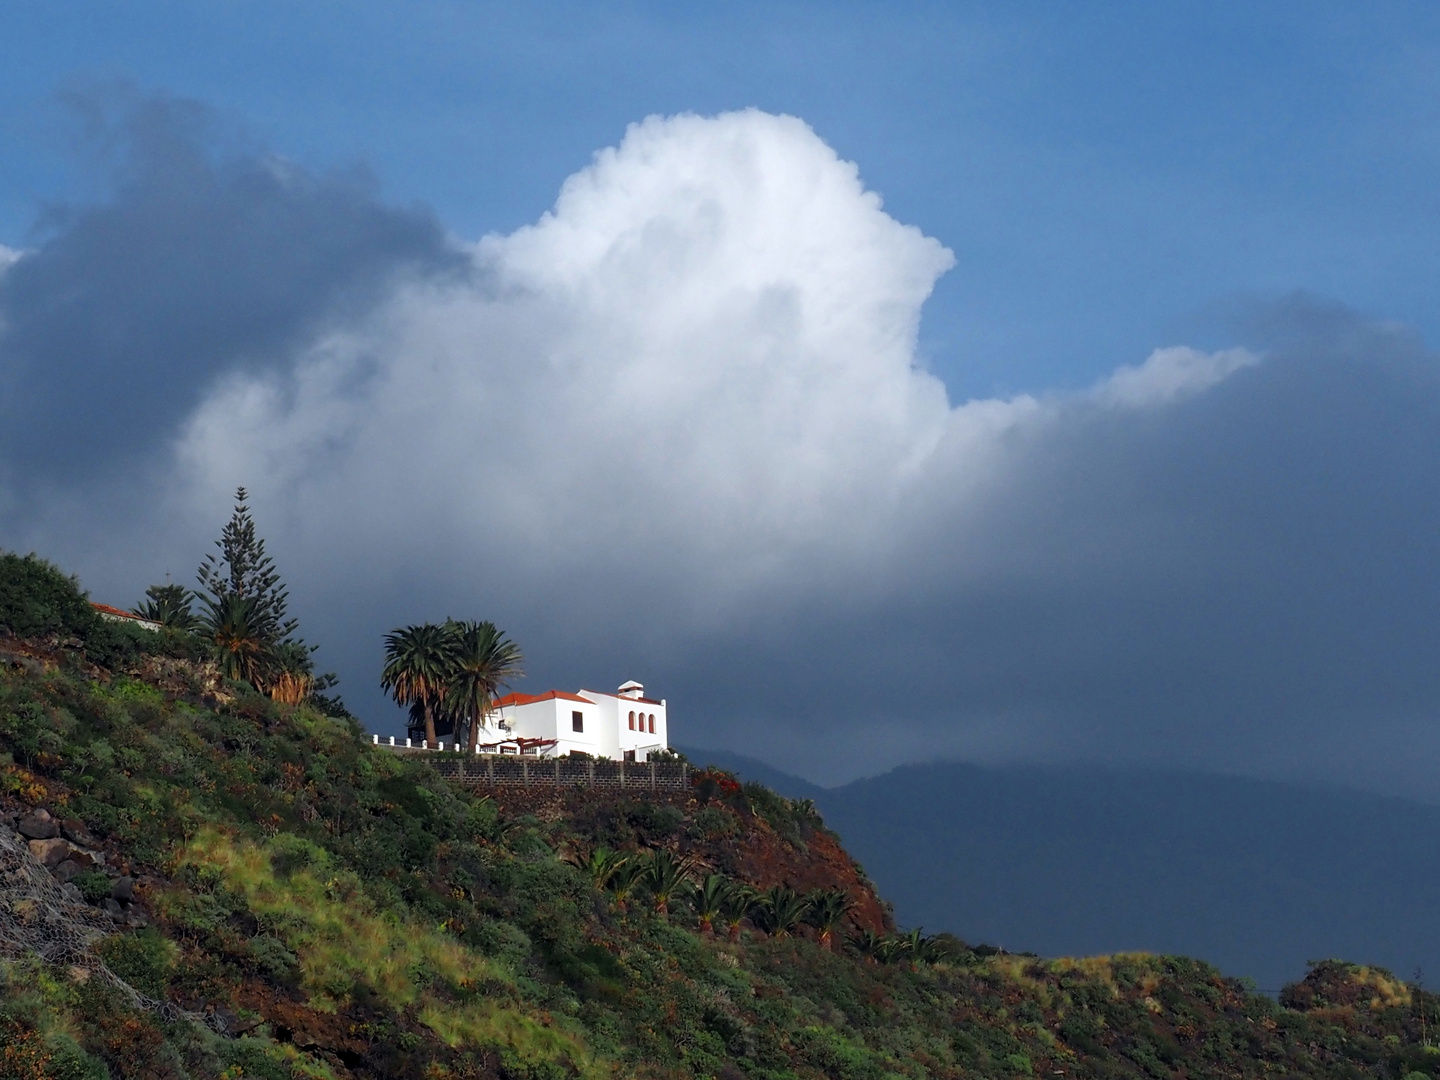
[210, 256]
[1247, 580]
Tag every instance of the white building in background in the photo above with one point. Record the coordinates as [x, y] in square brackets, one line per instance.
[623, 726]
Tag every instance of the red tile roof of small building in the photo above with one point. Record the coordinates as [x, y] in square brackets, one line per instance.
[115, 612]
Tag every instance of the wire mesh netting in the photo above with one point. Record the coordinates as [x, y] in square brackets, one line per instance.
[38, 918]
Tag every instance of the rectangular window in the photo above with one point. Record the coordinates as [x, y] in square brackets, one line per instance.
[577, 721]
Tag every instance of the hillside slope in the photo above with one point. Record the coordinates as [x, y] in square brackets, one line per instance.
[255, 891]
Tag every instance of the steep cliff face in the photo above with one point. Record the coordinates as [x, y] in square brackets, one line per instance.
[236, 887]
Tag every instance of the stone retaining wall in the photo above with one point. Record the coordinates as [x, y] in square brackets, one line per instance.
[505, 770]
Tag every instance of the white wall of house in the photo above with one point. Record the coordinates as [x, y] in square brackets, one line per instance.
[638, 722]
[612, 726]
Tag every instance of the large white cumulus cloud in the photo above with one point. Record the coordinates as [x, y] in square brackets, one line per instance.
[694, 380]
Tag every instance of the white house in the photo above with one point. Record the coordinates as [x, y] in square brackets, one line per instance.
[114, 614]
[623, 726]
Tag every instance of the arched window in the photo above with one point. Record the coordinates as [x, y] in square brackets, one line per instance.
[632, 719]
[652, 723]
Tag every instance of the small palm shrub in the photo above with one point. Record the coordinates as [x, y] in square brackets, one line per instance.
[668, 878]
[779, 911]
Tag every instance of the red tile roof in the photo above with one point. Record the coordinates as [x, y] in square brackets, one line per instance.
[117, 613]
[530, 699]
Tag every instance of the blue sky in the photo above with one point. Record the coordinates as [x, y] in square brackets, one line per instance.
[1112, 177]
[680, 428]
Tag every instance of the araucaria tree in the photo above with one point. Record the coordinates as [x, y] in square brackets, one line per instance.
[418, 664]
[484, 660]
[245, 612]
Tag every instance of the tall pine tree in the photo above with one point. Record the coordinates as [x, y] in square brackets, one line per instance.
[245, 619]
[244, 570]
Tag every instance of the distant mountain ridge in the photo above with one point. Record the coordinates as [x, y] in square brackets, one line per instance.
[1257, 876]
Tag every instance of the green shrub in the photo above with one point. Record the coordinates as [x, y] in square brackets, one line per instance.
[255, 1059]
[36, 599]
[711, 822]
[289, 853]
[272, 958]
[142, 959]
[654, 821]
[93, 885]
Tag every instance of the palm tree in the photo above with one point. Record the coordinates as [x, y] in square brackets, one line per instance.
[602, 866]
[711, 900]
[169, 605]
[870, 945]
[735, 908]
[625, 881]
[915, 942]
[898, 946]
[667, 876]
[232, 625]
[418, 663]
[483, 660]
[828, 908]
[778, 911]
[939, 949]
[294, 674]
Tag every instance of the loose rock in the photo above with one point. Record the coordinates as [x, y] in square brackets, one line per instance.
[123, 890]
[66, 870]
[50, 852]
[74, 830]
[38, 826]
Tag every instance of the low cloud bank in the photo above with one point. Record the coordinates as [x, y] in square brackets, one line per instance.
[677, 430]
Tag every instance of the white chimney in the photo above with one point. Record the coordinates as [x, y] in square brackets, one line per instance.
[631, 689]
